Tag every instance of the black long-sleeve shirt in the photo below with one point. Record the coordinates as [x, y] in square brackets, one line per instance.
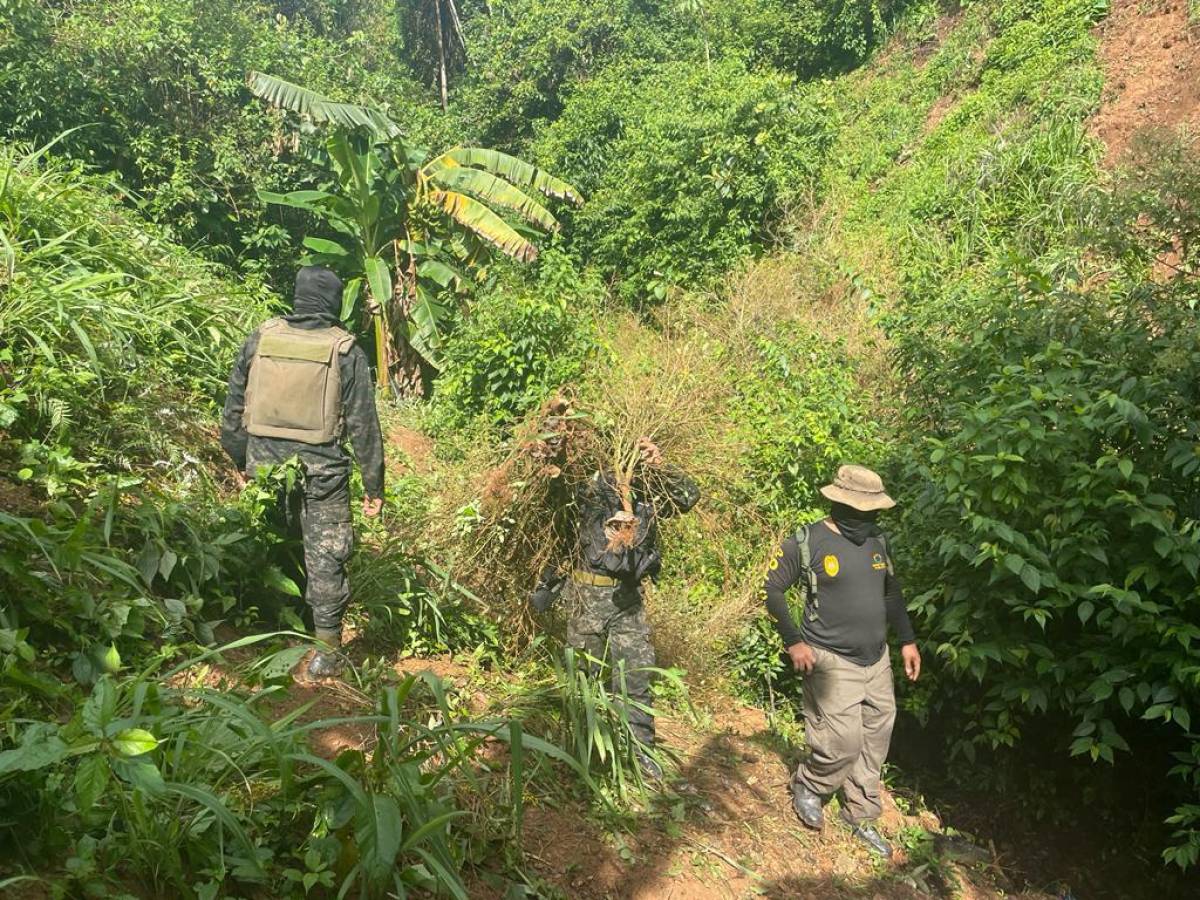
[358, 411]
[857, 597]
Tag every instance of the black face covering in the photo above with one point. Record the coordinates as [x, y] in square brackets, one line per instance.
[318, 294]
[854, 524]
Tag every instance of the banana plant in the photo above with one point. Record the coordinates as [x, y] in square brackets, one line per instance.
[409, 226]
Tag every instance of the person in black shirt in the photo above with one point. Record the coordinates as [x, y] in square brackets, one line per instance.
[851, 594]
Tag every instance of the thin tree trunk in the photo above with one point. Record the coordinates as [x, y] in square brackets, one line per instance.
[437, 11]
[406, 374]
[382, 363]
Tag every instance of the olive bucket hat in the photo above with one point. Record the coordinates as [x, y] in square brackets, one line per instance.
[859, 487]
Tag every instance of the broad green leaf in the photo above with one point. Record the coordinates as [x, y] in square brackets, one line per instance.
[1031, 578]
[495, 192]
[380, 832]
[428, 318]
[350, 293]
[273, 577]
[39, 749]
[438, 272]
[141, 773]
[480, 221]
[134, 742]
[308, 201]
[516, 171]
[379, 279]
[99, 708]
[329, 248]
[286, 95]
[1126, 697]
[91, 778]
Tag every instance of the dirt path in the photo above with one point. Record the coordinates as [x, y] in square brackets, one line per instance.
[723, 831]
[1150, 53]
[729, 833]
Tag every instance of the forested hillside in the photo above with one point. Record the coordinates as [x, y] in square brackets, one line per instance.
[955, 242]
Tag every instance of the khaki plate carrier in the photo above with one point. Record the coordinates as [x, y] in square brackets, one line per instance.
[295, 385]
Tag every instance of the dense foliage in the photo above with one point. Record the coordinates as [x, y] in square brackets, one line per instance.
[786, 258]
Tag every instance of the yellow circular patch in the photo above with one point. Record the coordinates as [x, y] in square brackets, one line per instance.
[832, 566]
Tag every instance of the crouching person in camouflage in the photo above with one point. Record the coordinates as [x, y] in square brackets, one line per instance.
[603, 582]
[300, 387]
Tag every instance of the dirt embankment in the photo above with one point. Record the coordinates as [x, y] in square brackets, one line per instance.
[1150, 53]
[727, 831]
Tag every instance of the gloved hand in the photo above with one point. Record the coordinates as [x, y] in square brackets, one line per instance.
[543, 598]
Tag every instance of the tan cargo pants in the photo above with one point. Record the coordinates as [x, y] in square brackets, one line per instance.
[849, 711]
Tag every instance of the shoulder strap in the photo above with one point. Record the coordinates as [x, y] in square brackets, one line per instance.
[343, 339]
[803, 542]
[887, 553]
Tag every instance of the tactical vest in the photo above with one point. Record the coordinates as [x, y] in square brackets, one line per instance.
[295, 385]
[811, 603]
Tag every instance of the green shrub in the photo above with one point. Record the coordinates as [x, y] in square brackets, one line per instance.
[1054, 534]
[803, 413]
[154, 90]
[113, 340]
[191, 792]
[517, 345]
[685, 169]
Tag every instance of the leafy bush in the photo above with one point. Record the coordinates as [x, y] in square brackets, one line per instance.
[195, 792]
[114, 339]
[155, 92]
[517, 345]
[685, 169]
[1055, 529]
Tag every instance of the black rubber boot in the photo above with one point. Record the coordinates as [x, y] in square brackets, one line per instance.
[327, 663]
[867, 833]
[808, 806]
[651, 770]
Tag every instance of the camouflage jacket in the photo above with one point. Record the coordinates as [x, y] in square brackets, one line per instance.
[596, 501]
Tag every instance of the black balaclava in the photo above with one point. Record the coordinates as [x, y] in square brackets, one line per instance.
[855, 524]
[318, 295]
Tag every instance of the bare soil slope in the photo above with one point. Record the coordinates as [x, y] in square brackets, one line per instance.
[1151, 58]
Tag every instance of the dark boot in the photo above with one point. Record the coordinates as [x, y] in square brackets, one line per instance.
[327, 663]
[867, 833]
[651, 770]
[808, 806]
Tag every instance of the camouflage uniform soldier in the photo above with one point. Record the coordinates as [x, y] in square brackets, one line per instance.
[604, 587]
[299, 388]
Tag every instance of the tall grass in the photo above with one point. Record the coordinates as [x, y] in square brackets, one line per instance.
[116, 341]
[190, 792]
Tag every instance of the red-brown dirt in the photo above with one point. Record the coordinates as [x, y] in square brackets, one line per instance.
[729, 833]
[1150, 53]
[725, 831]
[417, 449]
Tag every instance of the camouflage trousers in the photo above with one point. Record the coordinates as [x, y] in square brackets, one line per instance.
[328, 542]
[322, 510]
[600, 627]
